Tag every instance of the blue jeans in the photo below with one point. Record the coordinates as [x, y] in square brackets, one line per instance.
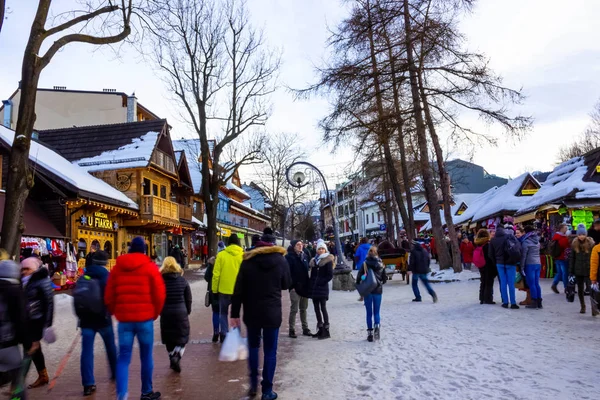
[270, 338]
[373, 305]
[145, 334]
[224, 303]
[532, 275]
[562, 273]
[415, 286]
[87, 353]
[507, 275]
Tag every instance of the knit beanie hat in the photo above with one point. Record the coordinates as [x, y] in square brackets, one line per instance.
[220, 246]
[100, 258]
[293, 243]
[234, 239]
[138, 245]
[268, 236]
[321, 245]
[255, 240]
[581, 229]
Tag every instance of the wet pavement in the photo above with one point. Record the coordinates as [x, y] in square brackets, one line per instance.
[202, 375]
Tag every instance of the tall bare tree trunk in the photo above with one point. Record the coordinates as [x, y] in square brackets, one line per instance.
[444, 180]
[428, 181]
[2, 12]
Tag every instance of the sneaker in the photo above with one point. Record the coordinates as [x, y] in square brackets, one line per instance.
[269, 396]
[151, 396]
[514, 307]
[417, 300]
[504, 305]
[215, 337]
[89, 390]
[293, 334]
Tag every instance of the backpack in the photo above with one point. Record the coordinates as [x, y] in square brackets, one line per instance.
[479, 257]
[512, 250]
[555, 249]
[87, 297]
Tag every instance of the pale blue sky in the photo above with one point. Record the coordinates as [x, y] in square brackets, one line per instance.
[550, 49]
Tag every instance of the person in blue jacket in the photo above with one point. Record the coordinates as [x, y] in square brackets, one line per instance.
[361, 253]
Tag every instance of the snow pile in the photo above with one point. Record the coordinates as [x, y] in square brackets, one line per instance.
[566, 179]
[134, 155]
[448, 275]
[62, 168]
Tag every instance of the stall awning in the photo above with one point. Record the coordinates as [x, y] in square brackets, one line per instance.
[525, 217]
[36, 222]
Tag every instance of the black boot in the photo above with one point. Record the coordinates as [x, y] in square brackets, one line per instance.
[540, 303]
[325, 334]
[376, 332]
[215, 337]
[221, 337]
[175, 359]
[306, 332]
[319, 332]
[293, 334]
[370, 335]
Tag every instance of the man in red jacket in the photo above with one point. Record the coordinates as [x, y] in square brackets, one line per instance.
[562, 268]
[135, 295]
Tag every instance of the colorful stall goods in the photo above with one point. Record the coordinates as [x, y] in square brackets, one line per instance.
[42, 247]
[71, 265]
[61, 282]
[585, 217]
[547, 270]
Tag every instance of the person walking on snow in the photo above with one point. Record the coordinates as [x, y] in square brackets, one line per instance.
[488, 272]
[264, 273]
[418, 264]
[174, 320]
[531, 265]
[135, 295]
[466, 250]
[579, 262]
[562, 273]
[225, 271]
[93, 323]
[321, 272]
[298, 263]
[373, 300]
[39, 305]
[506, 262]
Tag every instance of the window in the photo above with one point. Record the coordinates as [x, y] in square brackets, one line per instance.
[154, 189]
[163, 191]
[147, 186]
[367, 215]
[373, 217]
[378, 215]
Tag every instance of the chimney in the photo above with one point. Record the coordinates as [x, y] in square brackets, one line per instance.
[131, 108]
[7, 120]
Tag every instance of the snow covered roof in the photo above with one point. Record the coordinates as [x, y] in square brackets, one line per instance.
[475, 205]
[59, 166]
[567, 180]
[191, 147]
[453, 210]
[133, 155]
[231, 186]
[198, 222]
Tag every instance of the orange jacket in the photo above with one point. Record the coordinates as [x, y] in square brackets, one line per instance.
[594, 263]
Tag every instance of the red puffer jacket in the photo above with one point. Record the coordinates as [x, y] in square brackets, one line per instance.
[135, 291]
[563, 242]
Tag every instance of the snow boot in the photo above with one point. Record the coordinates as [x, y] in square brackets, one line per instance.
[532, 304]
[222, 337]
[325, 334]
[319, 332]
[175, 359]
[41, 380]
[370, 335]
[293, 334]
[377, 330]
[539, 301]
[215, 337]
[306, 332]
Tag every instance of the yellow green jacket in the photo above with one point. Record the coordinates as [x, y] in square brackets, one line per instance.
[225, 271]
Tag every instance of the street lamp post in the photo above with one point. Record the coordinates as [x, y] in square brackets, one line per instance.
[301, 174]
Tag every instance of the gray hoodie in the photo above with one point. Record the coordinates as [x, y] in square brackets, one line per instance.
[530, 249]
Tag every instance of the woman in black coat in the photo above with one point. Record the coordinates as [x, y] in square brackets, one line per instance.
[488, 272]
[174, 321]
[39, 306]
[321, 272]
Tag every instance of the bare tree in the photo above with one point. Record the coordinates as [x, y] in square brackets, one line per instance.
[219, 70]
[277, 154]
[114, 18]
[2, 12]
[587, 141]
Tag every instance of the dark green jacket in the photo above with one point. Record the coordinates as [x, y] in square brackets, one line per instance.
[579, 259]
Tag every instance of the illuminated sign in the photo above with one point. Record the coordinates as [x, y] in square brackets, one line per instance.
[529, 192]
[225, 232]
[98, 220]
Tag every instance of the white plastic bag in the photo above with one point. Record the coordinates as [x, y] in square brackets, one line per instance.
[231, 350]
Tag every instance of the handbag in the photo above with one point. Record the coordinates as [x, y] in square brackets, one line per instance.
[207, 299]
[368, 284]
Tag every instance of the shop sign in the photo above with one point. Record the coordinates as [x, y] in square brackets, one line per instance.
[598, 168]
[529, 192]
[98, 220]
[225, 232]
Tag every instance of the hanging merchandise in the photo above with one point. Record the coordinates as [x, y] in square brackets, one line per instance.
[71, 265]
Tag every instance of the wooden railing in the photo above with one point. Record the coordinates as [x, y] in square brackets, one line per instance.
[185, 212]
[155, 206]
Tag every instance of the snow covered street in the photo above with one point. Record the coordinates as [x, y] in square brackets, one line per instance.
[455, 349]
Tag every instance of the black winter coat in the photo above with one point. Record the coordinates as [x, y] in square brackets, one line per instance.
[214, 297]
[39, 305]
[378, 269]
[264, 273]
[299, 271]
[177, 254]
[594, 234]
[419, 260]
[99, 273]
[12, 314]
[174, 321]
[497, 245]
[320, 275]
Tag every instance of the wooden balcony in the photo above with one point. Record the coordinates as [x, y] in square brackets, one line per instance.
[153, 206]
[185, 212]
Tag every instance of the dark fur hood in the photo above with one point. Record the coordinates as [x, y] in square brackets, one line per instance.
[323, 261]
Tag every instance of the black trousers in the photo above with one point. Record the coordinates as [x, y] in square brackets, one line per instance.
[321, 312]
[38, 357]
[583, 282]
[486, 287]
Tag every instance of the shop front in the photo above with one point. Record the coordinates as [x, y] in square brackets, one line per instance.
[224, 232]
